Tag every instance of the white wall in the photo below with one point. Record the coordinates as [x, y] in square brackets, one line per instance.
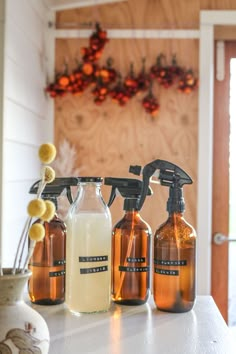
[1, 109]
[26, 119]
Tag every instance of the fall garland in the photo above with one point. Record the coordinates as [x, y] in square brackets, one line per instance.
[107, 81]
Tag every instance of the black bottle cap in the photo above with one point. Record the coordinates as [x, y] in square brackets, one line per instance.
[175, 203]
[130, 204]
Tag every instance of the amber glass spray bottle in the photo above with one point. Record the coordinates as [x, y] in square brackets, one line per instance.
[174, 268]
[131, 238]
[47, 284]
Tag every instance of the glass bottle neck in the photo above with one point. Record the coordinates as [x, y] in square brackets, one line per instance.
[175, 215]
[90, 197]
[91, 189]
[132, 214]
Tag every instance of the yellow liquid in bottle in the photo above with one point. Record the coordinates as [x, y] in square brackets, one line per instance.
[88, 263]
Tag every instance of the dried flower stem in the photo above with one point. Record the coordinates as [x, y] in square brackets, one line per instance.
[30, 252]
[23, 245]
[24, 235]
[26, 227]
[42, 185]
[46, 153]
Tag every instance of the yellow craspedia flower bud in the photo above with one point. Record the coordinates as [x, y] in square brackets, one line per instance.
[36, 232]
[47, 153]
[36, 208]
[50, 211]
[49, 174]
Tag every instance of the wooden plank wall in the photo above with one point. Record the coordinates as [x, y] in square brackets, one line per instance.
[26, 124]
[110, 138]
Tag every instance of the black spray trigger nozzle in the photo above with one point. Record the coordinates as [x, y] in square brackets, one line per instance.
[56, 187]
[114, 193]
[112, 196]
[166, 172]
[136, 170]
[147, 172]
[128, 188]
[69, 195]
[155, 178]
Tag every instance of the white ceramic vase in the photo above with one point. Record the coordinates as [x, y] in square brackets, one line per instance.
[22, 329]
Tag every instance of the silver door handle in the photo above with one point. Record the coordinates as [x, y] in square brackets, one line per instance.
[220, 238]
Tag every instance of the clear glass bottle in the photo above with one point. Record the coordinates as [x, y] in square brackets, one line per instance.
[46, 286]
[88, 250]
[131, 259]
[174, 265]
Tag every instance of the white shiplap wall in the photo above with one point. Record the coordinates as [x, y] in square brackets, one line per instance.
[27, 121]
[2, 11]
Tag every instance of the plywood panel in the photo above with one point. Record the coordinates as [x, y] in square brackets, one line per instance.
[110, 138]
[217, 4]
[225, 32]
[135, 14]
[161, 14]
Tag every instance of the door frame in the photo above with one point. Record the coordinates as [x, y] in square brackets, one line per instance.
[208, 19]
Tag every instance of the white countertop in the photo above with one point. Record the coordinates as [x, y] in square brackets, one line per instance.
[139, 330]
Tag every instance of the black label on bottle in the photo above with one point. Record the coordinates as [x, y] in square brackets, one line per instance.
[93, 270]
[169, 262]
[136, 259]
[93, 258]
[59, 262]
[133, 269]
[57, 274]
[166, 271]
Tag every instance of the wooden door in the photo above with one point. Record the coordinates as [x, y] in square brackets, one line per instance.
[220, 218]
